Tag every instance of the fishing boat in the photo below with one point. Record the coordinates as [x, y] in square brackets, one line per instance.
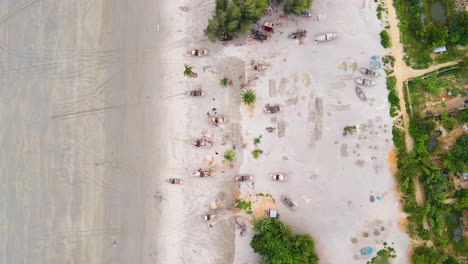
[196, 93]
[360, 94]
[244, 178]
[201, 143]
[288, 202]
[271, 109]
[175, 181]
[299, 34]
[279, 177]
[368, 72]
[217, 119]
[364, 82]
[203, 173]
[325, 37]
[197, 52]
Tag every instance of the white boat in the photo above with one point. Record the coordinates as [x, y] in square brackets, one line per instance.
[217, 119]
[364, 82]
[325, 37]
[279, 177]
[197, 52]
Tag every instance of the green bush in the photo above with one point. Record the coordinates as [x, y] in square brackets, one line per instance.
[426, 255]
[385, 39]
[276, 243]
[296, 6]
[233, 16]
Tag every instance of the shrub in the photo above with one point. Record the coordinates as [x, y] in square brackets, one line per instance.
[276, 242]
[296, 6]
[385, 39]
[229, 155]
[248, 97]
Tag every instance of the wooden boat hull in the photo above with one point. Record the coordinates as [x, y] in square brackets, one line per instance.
[360, 94]
[368, 72]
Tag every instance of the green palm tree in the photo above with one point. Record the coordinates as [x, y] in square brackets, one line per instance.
[284, 232]
[248, 97]
[224, 82]
[188, 71]
[263, 225]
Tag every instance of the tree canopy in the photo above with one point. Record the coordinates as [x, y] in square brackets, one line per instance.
[296, 6]
[458, 28]
[278, 245]
[234, 16]
[435, 34]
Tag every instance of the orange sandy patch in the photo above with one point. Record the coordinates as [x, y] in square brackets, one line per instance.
[261, 205]
[403, 224]
[392, 160]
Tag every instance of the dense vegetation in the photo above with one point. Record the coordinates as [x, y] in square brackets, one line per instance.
[385, 39]
[430, 166]
[393, 98]
[276, 243]
[233, 17]
[296, 6]
[420, 35]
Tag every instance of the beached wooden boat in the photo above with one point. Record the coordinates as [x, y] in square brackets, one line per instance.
[288, 202]
[368, 72]
[203, 173]
[196, 93]
[175, 181]
[299, 34]
[244, 178]
[306, 14]
[217, 119]
[197, 52]
[360, 94]
[201, 143]
[209, 217]
[258, 66]
[364, 82]
[279, 177]
[271, 109]
[268, 27]
[325, 37]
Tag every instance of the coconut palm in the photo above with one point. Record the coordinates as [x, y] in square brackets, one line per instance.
[263, 225]
[248, 97]
[188, 71]
[224, 82]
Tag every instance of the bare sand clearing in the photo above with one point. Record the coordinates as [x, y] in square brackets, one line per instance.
[94, 120]
[336, 179]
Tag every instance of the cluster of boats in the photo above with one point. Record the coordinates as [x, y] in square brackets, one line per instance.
[365, 82]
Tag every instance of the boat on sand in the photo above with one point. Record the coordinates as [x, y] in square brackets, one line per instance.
[325, 37]
[368, 72]
[364, 82]
[360, 94]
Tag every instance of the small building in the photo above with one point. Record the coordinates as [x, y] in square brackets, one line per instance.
[272, 213]
[440, 50]
[464, 176]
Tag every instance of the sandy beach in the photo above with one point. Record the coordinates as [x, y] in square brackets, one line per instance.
[95, 119]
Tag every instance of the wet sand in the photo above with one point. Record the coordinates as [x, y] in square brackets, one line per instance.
[78, 113]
